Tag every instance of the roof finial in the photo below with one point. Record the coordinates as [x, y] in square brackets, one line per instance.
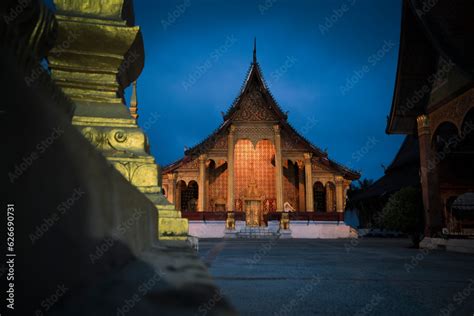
[255, 50]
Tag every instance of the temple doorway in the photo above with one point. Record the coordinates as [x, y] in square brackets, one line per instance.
[253, 213]
[189, 195]
[319, 197]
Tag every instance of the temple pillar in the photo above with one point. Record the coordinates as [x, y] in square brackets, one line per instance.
[178, 197]
[309, 182]
[301, 195]
[207, 206]
[202, 183]
[278, 170]
[230, 169]
[347, 185]
[172, 188]
[329, 198]
[340, 194]
[429, 179]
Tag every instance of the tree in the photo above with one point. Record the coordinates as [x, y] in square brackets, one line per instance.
[364, 211]
[365, 183]
[404, 212]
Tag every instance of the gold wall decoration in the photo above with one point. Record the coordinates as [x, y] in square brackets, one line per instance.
[255, 133]
[454, 111]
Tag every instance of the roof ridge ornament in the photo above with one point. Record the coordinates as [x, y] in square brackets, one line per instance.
[255, 50]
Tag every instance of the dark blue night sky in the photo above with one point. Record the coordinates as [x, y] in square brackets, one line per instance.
[330, 63]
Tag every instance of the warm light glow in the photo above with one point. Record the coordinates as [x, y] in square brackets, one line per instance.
[255, 164]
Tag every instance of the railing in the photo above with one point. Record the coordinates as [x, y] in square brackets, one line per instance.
[308, 216]
[274, 216]
[460, 228]
[317, 216]
[211, 216]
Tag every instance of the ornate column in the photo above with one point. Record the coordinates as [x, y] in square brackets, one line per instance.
[202, 183]
[429, 179]
[230, 169]
[309, 182]
[329, 197]
[340, 194]
[178, 197]
[278, 170]
[301, 195]
[172, 188]
[347, 185]
[207, 207]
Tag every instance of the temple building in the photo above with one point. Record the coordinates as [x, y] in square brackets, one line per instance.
[434, 101]
[256, 164]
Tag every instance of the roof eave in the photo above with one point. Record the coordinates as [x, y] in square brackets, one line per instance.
[390, 129]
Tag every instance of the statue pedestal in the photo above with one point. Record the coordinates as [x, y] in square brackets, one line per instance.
[170, 224]
[230, 233]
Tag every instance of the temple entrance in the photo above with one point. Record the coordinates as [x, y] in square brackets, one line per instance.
[254, 179]
[319, 197]
[253, 213]
[252, 202]
[188, 196]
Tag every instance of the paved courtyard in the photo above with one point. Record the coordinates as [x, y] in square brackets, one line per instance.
[340, 277]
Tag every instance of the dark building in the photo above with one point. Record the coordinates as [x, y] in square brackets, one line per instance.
[433, 100]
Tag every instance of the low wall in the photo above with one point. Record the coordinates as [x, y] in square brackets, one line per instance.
[325, 230]
[211, 229]
[273, 216]
[76, 217]
[299, 229]
[85, 239]
[454, 245]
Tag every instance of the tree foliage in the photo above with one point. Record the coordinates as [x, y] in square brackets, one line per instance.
[404, 212]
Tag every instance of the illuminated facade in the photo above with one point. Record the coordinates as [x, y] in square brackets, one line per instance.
[256, 163]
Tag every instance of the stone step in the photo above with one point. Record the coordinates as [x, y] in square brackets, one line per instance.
[172, 228]
[256, 233]
[245, 236]
[169, 213]
[254, 229]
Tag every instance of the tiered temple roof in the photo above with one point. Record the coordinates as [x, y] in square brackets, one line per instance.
[263, 107]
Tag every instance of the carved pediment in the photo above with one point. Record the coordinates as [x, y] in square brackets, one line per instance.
[194, 164]
[253, 107]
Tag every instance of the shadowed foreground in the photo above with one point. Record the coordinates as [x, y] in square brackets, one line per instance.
[340, 277]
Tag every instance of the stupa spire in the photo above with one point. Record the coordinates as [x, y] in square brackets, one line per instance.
[134, 102]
